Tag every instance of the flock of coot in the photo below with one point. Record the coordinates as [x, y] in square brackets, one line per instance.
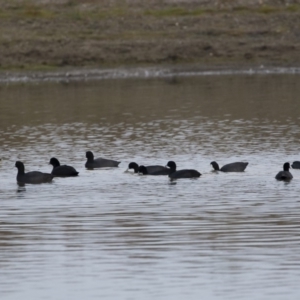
[169, 170]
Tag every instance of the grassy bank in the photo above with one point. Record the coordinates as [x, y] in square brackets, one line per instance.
[47, 35]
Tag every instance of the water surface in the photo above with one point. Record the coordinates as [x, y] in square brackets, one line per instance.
[114, 235]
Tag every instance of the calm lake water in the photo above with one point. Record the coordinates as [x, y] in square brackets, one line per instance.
[108, 234]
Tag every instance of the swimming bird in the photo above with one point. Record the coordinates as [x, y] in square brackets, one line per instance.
[185, 173]
[99, 162]
[285, 174]
[61, 171]
[31, 177]
[133, 166]
[233, 167]
[145, 171]
[296, 165]
[150, 169]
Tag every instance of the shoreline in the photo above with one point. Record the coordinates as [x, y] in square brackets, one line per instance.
[84, 74]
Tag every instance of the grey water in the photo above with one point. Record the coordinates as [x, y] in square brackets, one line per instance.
[111, 234]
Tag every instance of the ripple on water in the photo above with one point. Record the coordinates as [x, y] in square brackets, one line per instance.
[112, 234]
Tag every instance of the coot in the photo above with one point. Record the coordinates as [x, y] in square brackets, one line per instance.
[185, 173]
[99, 162]
[145, 171]
[33, 177]
[285, 174]
[296, 165]
[233, 167]
[61, 171]
[150, 169]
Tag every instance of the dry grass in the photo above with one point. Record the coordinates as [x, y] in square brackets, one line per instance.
[43, 34]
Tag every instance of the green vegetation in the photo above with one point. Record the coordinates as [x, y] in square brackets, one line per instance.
[71, 10]
[293, 8]
[181, 12]
[74, 11]
[175, 12]
[268, 9]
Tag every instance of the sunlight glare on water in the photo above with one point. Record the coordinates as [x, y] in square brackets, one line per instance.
[112, 234]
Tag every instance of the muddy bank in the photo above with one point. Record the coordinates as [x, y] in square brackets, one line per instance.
[52, 35]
